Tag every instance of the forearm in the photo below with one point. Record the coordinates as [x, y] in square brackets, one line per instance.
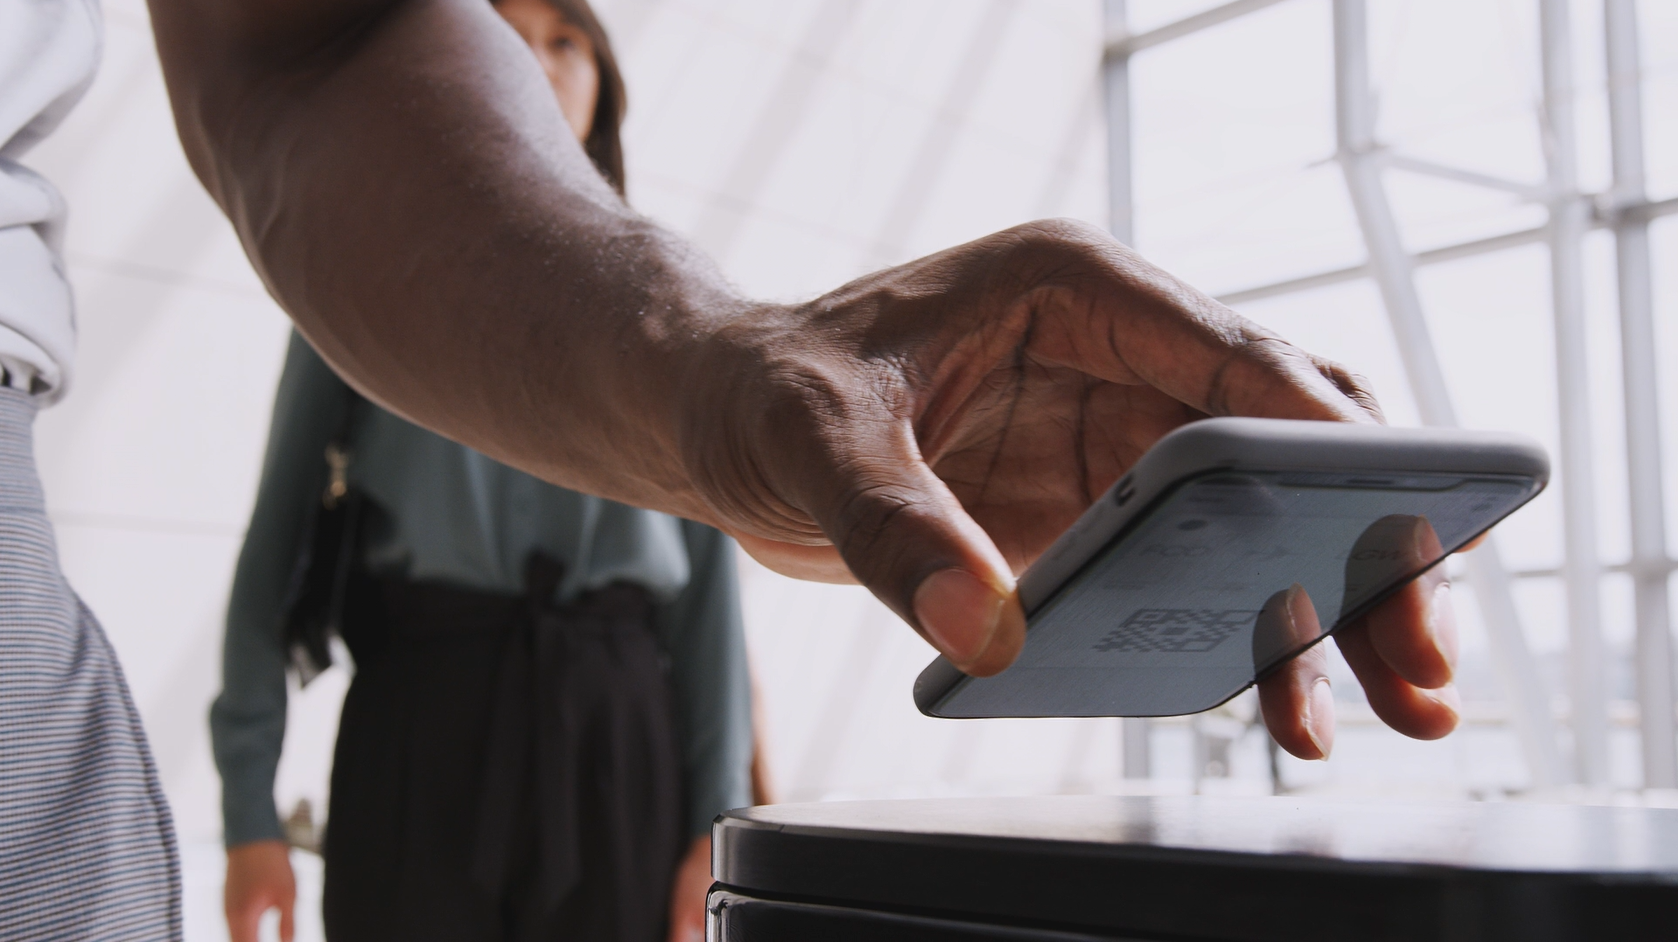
[476, 290]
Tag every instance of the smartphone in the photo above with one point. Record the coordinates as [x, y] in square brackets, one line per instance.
[1162, 599]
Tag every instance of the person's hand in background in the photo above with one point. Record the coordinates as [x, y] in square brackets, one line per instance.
[687, 893]
[259, 878]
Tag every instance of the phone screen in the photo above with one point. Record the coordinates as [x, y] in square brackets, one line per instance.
[1167, 619]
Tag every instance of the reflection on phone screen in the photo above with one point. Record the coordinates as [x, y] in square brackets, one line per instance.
[1166, 619]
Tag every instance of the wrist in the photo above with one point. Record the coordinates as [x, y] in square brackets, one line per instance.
[629, 385]
[746, 383]
[261, 846]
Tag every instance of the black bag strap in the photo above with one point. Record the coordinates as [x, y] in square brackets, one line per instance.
[338, 453]
[313, 608]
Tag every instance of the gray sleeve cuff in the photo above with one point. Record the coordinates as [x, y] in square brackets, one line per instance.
[247, 755]
[247, 817]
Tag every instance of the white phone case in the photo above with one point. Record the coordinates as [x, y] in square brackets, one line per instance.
[1382, 453]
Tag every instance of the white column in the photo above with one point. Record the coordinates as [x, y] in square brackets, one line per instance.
[1649, 563]
[1393, 269]
[1581, 569]
[1116, 83]
[1135, 735]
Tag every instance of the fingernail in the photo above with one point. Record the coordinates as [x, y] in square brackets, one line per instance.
[959, 612]
[1448, 698]
[1295, 593]
[1319, 717]
[1418, 536]
[1442, 625]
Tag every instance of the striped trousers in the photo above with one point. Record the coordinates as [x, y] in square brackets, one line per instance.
[87, 849]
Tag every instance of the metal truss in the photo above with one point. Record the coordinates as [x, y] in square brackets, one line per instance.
[1627, 211]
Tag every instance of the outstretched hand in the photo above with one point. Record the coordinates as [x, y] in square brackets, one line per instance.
[930, 429]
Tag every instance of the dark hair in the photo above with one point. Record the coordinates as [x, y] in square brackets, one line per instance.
[603, 145]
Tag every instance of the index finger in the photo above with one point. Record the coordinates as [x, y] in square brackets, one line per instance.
[1110, 313]
[1413, 631]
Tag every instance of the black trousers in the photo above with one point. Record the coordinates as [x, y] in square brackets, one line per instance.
[505, 770]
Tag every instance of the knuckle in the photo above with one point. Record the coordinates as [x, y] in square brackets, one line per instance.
[1245, 347]
[1062, 246]
[866, 515]
[1074, 232]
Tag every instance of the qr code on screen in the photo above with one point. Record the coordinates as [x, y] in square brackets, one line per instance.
[1174, 630]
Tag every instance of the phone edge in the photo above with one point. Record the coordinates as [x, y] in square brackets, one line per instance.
[1235, 443]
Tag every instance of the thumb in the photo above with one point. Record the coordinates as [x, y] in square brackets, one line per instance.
[288, 928]
[908, 539]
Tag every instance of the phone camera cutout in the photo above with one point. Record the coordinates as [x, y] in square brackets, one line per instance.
[1191, 524]
[1123, 493]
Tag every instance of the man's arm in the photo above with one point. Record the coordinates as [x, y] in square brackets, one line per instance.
[406, 186]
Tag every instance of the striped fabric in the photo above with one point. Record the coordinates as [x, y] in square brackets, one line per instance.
[87, 849]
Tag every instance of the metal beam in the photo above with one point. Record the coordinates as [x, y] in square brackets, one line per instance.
[1649, 212]
[1392, 267]
[1115, 76]
[1570, 219]
[1134, 743]
[1123, 44]
[1359, 157]
[1650, 566]
[1665, 566]
[1447, 253]
[1357, 272]
[1526, 191]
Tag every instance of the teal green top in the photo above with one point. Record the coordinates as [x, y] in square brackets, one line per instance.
[453, 515]
[459, 517]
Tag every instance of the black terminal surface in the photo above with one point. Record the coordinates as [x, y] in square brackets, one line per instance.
[1153, 869]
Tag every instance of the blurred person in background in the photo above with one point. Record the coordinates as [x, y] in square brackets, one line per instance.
[514, 760]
